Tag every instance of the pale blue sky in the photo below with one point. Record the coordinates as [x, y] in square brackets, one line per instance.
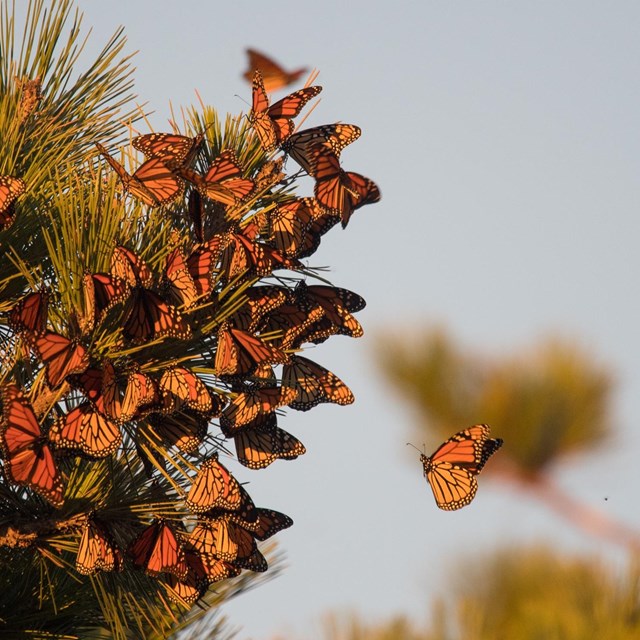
[505, 140]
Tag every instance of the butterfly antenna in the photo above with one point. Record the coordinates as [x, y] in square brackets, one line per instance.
[414, 446]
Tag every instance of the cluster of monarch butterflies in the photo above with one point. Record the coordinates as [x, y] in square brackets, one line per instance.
[213, 293]
[452, 469]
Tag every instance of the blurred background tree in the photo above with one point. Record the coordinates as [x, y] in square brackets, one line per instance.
[524, 593]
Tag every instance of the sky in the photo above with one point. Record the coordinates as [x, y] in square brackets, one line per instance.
[505, 141]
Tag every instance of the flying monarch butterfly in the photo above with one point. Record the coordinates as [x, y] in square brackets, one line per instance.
[340, 191]
[11, 189]
[223, 181]
[176, 151]
[157, 550]
[248, 405]
[274, 124]
[30, 313]
[85, 430]
[129, 267]
[337, 304]
[61, 356]
[313, 384]
[125, 402]
[257, 447]
[338, 136]
[452, 469]
[97, 551]
[240, 352]
[213, 487]
[274, 76]
[28, 460]
[221, 538]
[185, 430]
[180, 387]
[153, 182]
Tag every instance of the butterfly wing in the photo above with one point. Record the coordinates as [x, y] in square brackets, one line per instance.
[274, 75]
[451, 470]
[11, 188]
[28, 458]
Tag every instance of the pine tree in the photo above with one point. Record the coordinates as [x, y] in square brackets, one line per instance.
[153, 301]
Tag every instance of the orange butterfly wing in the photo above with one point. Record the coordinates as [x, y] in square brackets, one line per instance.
[157, 550]
[30, 313]
[97, 551]
[313, 384]
[274, 75]
[452, 468]
[85, 430]
[213, 487]
[28, 458]
[61, 356]
[11, 188]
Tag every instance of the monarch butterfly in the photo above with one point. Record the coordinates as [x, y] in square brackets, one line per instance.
[213, 487]
[174, 150]
[293, 322]
[274, 124]
[11, 188]
[239, 352]
[199, 265]
[452, 468]
[90, 383]
[270, 173]
[148, 317]
[61, 356]
[248, 405]
[85, 430]
[221, 538]
[158, 550]
[123, 403]
[340, 191]
[313, 384]
[180, 388]
[30, 313]
[337, 304]
[184, 430]
[296, 227]
[193, 586]
[153, 182]
[338, 136]
[223, 181]
[260, 301]
[182, 287]
[257, 447]
[129, 267]
[244, 256]
[97, 551]
[274, 76]
[28, 459]
[101, 293]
